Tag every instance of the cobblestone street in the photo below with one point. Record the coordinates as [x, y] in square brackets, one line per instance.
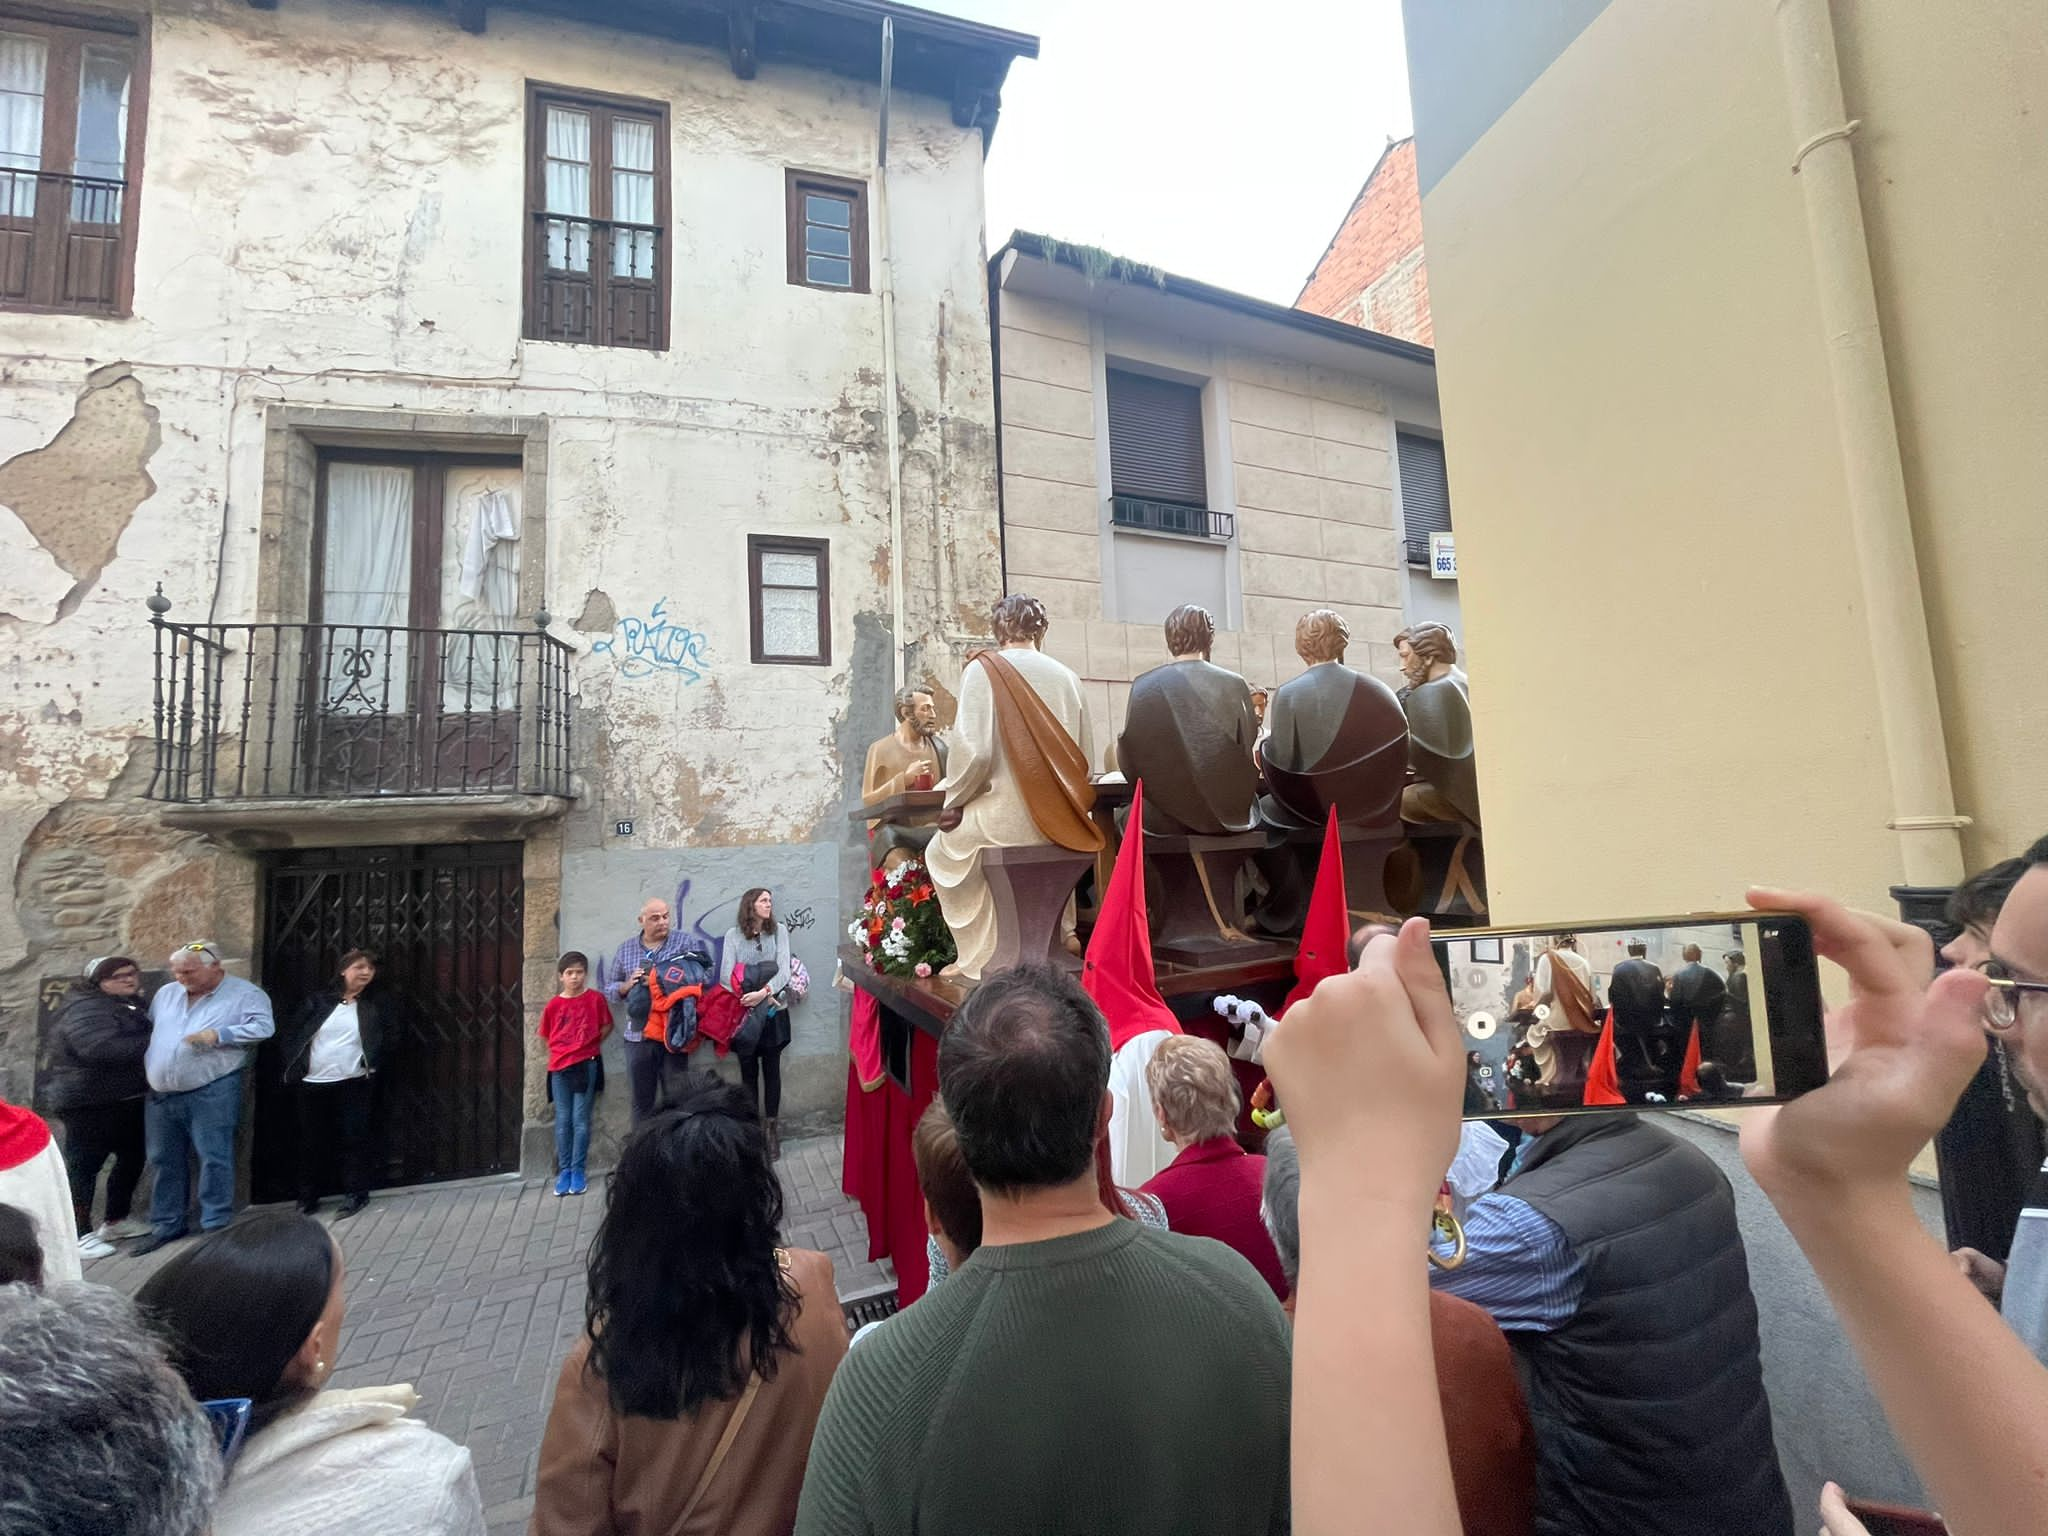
[473, 1292]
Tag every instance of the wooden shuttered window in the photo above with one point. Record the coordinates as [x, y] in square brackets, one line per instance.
[597, 212]
[1155, 440]
[1425, 493]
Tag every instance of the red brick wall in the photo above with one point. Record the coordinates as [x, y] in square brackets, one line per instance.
[1373, 274]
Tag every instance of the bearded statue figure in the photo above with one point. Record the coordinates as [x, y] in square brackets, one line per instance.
[913, 756]
[1444, 784]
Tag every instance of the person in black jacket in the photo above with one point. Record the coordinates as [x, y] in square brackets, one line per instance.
[96, 1090]
[337, 1042]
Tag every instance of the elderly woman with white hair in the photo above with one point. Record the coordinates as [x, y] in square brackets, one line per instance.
[1211, 1188]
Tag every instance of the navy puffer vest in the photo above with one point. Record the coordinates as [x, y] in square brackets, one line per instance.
[1649, 1405]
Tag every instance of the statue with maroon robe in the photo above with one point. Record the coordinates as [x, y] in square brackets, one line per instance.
[1336, 737]
[1017, 775]
[1189, 732]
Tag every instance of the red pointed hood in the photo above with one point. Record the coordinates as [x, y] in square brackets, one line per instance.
[23, 1135]
[1326, 936]
[1117, 970]
[1603, 1082]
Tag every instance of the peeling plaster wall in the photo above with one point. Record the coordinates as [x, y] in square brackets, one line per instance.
[330, 217]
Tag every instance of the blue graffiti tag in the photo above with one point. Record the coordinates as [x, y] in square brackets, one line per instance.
[656, 644]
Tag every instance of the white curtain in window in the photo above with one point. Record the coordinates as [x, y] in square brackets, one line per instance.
[102, 145]
[482, 537]
[568, 188]
[366, 579]
[23, 62]
[632, 197]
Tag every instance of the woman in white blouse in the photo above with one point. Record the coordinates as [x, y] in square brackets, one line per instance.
[336, 1044]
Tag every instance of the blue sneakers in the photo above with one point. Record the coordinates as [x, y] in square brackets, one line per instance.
[577, 1183]
[562, 1183]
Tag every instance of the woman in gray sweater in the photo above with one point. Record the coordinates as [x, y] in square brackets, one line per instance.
[754, 944]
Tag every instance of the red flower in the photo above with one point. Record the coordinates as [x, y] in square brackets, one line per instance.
[920, 896]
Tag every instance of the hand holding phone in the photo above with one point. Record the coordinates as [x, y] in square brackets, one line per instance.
[1907, 1051]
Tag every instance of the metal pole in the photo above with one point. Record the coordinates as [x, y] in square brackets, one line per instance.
[886, 270]
[1909, 706]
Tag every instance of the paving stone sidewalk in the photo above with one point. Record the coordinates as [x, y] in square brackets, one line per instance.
[473, 1292]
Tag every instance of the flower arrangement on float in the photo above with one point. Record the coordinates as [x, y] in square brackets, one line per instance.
[900, 930]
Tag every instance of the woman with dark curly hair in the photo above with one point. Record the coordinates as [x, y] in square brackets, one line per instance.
[688, 1405]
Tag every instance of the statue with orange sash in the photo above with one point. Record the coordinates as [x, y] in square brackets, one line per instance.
[1017, 775]
[1564, 1001]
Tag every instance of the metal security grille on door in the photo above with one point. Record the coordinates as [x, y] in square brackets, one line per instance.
[1155, 440]
[1425, 493]
[447, 925]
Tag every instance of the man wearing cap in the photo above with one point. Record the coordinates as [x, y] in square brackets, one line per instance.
[204, 1027]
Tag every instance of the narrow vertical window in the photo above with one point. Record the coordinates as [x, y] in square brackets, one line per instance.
[789, 583]
[597, 211]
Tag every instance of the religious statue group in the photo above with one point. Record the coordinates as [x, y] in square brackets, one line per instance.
[1237, 795]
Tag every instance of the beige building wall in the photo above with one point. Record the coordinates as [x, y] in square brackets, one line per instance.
[1674, 693]
[1301, 454]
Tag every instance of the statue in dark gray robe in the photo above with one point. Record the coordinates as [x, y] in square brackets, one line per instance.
[1337, 738]
[1445, 782]
[1189, 731]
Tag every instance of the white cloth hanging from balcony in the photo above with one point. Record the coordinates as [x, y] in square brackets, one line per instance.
[495, 523]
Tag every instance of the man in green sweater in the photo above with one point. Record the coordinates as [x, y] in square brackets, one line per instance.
[1080, 1373]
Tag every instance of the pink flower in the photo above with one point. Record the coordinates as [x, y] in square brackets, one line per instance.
[896, 925]
[923, 970]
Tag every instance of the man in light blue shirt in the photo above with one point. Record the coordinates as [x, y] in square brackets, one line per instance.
[204, 1026]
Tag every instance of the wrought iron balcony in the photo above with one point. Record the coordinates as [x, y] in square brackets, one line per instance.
[61, 240]
[1169, 517]
[343, 711]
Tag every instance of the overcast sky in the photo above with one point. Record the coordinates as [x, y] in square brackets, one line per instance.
[1221, 142]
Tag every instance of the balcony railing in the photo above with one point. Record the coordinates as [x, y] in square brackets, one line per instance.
[61, 241]
[338, 711]
[597, 281]
[1169, 517]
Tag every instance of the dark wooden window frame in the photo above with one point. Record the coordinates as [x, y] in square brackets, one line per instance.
[68, 30]
[795, 184]
[429, 484]
[763, 543]
[601, 105]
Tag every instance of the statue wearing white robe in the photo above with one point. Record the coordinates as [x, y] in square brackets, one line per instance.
[982, 787]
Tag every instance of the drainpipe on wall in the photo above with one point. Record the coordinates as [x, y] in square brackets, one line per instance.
[886, 268]
[1909, 707]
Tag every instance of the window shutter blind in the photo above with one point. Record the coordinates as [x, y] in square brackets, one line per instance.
[1155, 440]
[1425, 493]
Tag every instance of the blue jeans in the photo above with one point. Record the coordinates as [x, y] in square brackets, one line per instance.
[575, 1096]
[201, 1120]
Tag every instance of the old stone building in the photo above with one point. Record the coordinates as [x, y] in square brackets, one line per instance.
[514, 413]
[1167, 442]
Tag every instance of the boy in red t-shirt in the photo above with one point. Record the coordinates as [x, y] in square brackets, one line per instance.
[574, 1024]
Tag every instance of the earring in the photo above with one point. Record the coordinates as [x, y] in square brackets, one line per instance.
[319, 1369]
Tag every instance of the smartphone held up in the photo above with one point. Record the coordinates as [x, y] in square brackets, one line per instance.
[1711, 1011]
